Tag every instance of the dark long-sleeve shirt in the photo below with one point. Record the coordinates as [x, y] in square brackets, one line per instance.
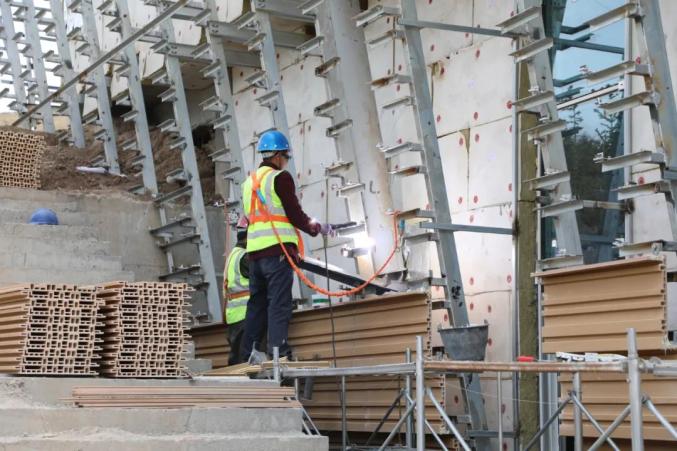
[286, 191]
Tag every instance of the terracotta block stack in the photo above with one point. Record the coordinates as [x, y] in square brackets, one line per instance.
[144, 332]
[589, 309]
[20, 158]
[49, 330]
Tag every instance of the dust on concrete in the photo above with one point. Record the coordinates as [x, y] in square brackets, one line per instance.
[13, 395]
[60, 161]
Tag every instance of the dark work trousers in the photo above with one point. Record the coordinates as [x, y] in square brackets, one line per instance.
[235, 333]
[270, 303]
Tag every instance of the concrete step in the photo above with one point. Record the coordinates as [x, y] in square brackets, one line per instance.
[28, 275]
[87, 246]
[44, 232]
[49, 420]
[107, 439]
[76, 261]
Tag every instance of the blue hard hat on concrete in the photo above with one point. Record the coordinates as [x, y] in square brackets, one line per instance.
[44, 216]
[273, 141]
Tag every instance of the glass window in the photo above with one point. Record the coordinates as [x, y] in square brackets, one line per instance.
[590, 131]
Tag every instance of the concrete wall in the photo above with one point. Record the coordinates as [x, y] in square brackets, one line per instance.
[119, 218]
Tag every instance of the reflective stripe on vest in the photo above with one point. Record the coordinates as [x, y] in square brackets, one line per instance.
[237, 290]
[260, 234]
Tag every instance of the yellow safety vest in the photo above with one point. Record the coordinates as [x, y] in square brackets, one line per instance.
[260, 188]
[236, 291]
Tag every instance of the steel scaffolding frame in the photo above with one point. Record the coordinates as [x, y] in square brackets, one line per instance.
[633, 366]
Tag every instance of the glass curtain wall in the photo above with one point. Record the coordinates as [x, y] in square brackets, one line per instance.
[590, 131]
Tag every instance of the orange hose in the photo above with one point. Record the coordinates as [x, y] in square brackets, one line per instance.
[321, 290]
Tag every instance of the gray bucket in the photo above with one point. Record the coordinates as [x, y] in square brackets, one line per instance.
[466, 343]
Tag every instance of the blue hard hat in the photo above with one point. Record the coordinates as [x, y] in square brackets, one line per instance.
[44, 216]
[272, 141]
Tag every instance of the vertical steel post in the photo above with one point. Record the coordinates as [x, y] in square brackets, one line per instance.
[635, 393]
[344, 415]
[437, 196]
[420, 396]
[578, 415]
[230, 134]
[138, 104]
[499, 405]
[102, 97]
[190, 167]
[12, 48]
[349, 84]
[74, 113]
[37, 60]
[407, 388]
[276, 364]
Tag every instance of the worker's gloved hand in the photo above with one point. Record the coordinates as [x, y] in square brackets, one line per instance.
[327, 230]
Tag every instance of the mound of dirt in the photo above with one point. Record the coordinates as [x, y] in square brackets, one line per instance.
[60, 162]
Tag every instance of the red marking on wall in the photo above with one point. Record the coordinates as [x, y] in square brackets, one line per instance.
[508, 104]
[509, 278]
[477, 53]
[475, 199]
[456, 399]
[460, 141]
[439, 118]
[446, 315]
[399, 67]
[472, 218]
[476, 115]
[505, 446]
[254, 91]
[490, 341]
[397, 88]
[477, 137]
[510, 214]
[510, 187]
[638, 60]
[397, 166]
[430, 2]
[442, 71]
[512, 13]
[472, 281]
[432, 47]
[510, 129]
[427, 206]
[460, 199]
[467, 35]
[640, 180]
[241, 74]
[399, 140]
[489, 308]
[471, 306]
[322, 194]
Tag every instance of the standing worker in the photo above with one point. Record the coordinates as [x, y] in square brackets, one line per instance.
[236, 294]
[270, 203]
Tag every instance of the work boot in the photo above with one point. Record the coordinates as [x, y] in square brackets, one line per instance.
[257, 357]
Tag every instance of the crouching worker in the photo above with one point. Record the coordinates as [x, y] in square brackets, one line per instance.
[236, 294]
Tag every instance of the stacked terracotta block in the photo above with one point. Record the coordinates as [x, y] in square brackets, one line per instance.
[20, 158]
[49, 330]
[145, 329]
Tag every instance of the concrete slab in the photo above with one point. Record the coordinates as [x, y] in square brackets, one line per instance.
[107, 440]
[52, 390]
[153, 422]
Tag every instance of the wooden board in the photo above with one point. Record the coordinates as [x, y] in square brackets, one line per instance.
[372, 331]
[589, 308]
